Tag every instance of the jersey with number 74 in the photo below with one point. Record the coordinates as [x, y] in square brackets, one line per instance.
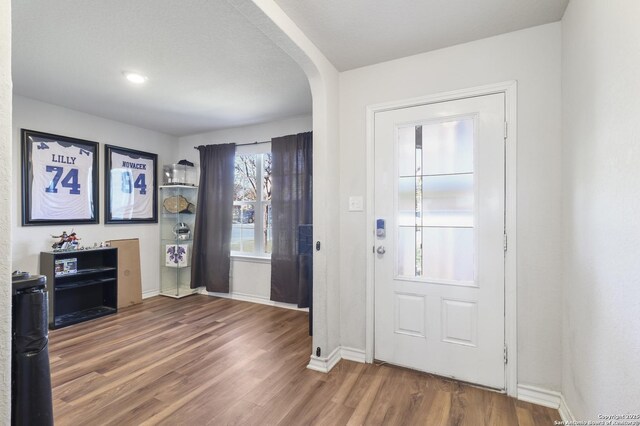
[61, 187]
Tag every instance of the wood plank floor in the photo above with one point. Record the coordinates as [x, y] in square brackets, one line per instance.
[209, 361]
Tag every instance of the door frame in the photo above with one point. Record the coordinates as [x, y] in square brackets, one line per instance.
[509, 88]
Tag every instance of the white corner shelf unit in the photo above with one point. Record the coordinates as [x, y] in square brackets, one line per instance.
[177, 223]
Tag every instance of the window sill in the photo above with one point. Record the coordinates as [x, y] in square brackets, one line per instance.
[250, 258]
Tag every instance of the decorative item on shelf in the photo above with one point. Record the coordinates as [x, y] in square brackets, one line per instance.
[178, 204]
[181, 231]
[177, 255]
[66, 241]
[66, 266]
[181, 173]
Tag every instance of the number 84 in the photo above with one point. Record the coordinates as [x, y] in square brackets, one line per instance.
[140, 183]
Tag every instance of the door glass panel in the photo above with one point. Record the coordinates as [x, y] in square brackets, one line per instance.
[447, 147]
[407, 150]
[447, 200]
[448, 254]
[407, 255]
[407, 201]
[435, 202]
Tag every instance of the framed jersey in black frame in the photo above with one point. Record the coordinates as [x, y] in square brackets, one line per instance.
[59, 179]
[131, 191]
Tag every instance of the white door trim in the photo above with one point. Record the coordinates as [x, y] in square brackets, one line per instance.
[509, 88]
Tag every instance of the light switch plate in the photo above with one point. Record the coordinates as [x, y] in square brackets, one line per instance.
[356, 203]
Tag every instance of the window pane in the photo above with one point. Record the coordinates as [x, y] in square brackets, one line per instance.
[248, 242]
[266, 178]
[267, 215]
[251, 218]
[245, 178]
[237, 209]
[447, 147]
[268, 241]
[247, 220]
[247, 213]
[242, 229]
[236, 237]
[266, 226]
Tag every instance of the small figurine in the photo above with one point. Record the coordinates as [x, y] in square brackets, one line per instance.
[66, 242]
[60, 243]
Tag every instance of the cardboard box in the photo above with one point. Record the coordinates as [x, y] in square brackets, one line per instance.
[129, 276]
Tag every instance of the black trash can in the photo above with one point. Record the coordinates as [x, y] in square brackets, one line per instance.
[31, 402]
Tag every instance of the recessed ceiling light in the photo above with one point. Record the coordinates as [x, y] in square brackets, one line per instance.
[134, 77]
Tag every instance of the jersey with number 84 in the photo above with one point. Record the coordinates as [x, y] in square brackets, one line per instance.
[132, 184]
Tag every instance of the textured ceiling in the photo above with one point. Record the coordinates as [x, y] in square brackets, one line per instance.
[208, 67]
[355, 33]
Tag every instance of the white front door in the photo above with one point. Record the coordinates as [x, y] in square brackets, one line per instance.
[439, 267]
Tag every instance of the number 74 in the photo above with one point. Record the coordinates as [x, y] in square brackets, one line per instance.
[69, 181]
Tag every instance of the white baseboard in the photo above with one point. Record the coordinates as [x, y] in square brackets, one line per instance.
[565, 414]
[352, 354]
[253, 299]
[324, 365]
[150, 293]
[539, 396]
[546, 398]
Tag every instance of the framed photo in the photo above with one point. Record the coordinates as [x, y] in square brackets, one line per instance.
[131, 190]
[59, 179]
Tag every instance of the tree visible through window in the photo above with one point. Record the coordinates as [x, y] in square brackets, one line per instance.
[251, 228]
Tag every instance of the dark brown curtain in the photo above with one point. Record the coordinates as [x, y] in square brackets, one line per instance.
[291, 204]
[211, 257]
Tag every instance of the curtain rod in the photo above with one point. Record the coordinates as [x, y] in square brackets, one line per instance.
[241, 144]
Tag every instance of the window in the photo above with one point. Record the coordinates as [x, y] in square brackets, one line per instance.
[251, 228]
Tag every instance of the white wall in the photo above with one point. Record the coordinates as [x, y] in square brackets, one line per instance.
[5, 212]
[249, 278]
[28, 241]
[601, 139]
[532, 57]
[246, 134]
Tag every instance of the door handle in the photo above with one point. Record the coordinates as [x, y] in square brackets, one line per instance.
[381, 250]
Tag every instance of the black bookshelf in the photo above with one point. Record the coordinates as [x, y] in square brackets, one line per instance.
[87, 289]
